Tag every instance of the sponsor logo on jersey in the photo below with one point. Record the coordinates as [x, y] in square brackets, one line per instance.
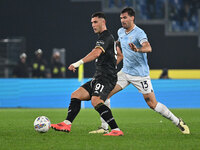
[100, 42]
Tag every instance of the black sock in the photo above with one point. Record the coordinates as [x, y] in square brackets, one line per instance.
[73, 110]
[106, 114]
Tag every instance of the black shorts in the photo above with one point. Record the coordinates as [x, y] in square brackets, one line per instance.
[99, 87]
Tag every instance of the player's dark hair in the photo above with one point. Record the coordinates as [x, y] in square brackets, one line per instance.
[129, 10]
[99, 15]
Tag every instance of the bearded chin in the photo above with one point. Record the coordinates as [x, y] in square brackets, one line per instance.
[125, 27]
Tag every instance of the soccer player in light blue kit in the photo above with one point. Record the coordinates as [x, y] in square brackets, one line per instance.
[134, 45]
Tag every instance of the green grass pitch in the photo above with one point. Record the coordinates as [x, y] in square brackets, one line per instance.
[143, 128]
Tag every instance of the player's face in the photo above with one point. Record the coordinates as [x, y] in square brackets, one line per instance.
[97, 24]
[126, 20]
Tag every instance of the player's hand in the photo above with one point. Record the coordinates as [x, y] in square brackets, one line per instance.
[72, 68]
[133, 47]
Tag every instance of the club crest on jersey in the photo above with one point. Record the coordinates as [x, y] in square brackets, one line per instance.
[100, 42]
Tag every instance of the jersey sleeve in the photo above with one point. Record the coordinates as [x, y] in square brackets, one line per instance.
[142, 37]
[118, 33]
[102, 44]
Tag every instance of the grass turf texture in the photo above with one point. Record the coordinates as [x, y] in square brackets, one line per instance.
[143, 129]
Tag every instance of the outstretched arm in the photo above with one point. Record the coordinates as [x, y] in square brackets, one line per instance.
[95, 53]
[146, 47]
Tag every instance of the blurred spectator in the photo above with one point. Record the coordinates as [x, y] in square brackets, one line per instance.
[38, 65]
[164, 74]
[183, 15]
[21, 70]
[150, 9]
[119, 3]
[115, 6]
[57, 68]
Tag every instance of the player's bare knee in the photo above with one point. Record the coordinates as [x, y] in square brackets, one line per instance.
[95, 101]
[75, 95]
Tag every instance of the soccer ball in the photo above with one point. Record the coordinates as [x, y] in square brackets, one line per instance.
[42, 124]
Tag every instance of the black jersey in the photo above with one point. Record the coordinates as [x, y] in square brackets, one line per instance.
[21, 70]
[39, 68]
[106, 63]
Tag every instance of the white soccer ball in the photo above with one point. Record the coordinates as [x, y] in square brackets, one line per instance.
[42, 124]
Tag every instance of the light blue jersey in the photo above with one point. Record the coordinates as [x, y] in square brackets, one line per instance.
[134, 63]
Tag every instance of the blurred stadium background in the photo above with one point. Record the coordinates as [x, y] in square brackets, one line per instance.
[172, 26]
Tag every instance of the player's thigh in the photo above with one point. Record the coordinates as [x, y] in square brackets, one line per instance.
[122, 80]
[143, 84]
[81, 94]
[115, 90]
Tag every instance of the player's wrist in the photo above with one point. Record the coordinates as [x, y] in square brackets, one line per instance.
[139, 50]
[78, 63]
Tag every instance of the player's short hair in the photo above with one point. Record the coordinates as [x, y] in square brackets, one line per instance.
[99, 15]
[129, 10]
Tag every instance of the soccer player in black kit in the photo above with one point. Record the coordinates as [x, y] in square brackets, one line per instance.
[103, 82]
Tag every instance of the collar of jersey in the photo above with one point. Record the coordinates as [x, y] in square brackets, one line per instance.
[103, 32]
[130, 30]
